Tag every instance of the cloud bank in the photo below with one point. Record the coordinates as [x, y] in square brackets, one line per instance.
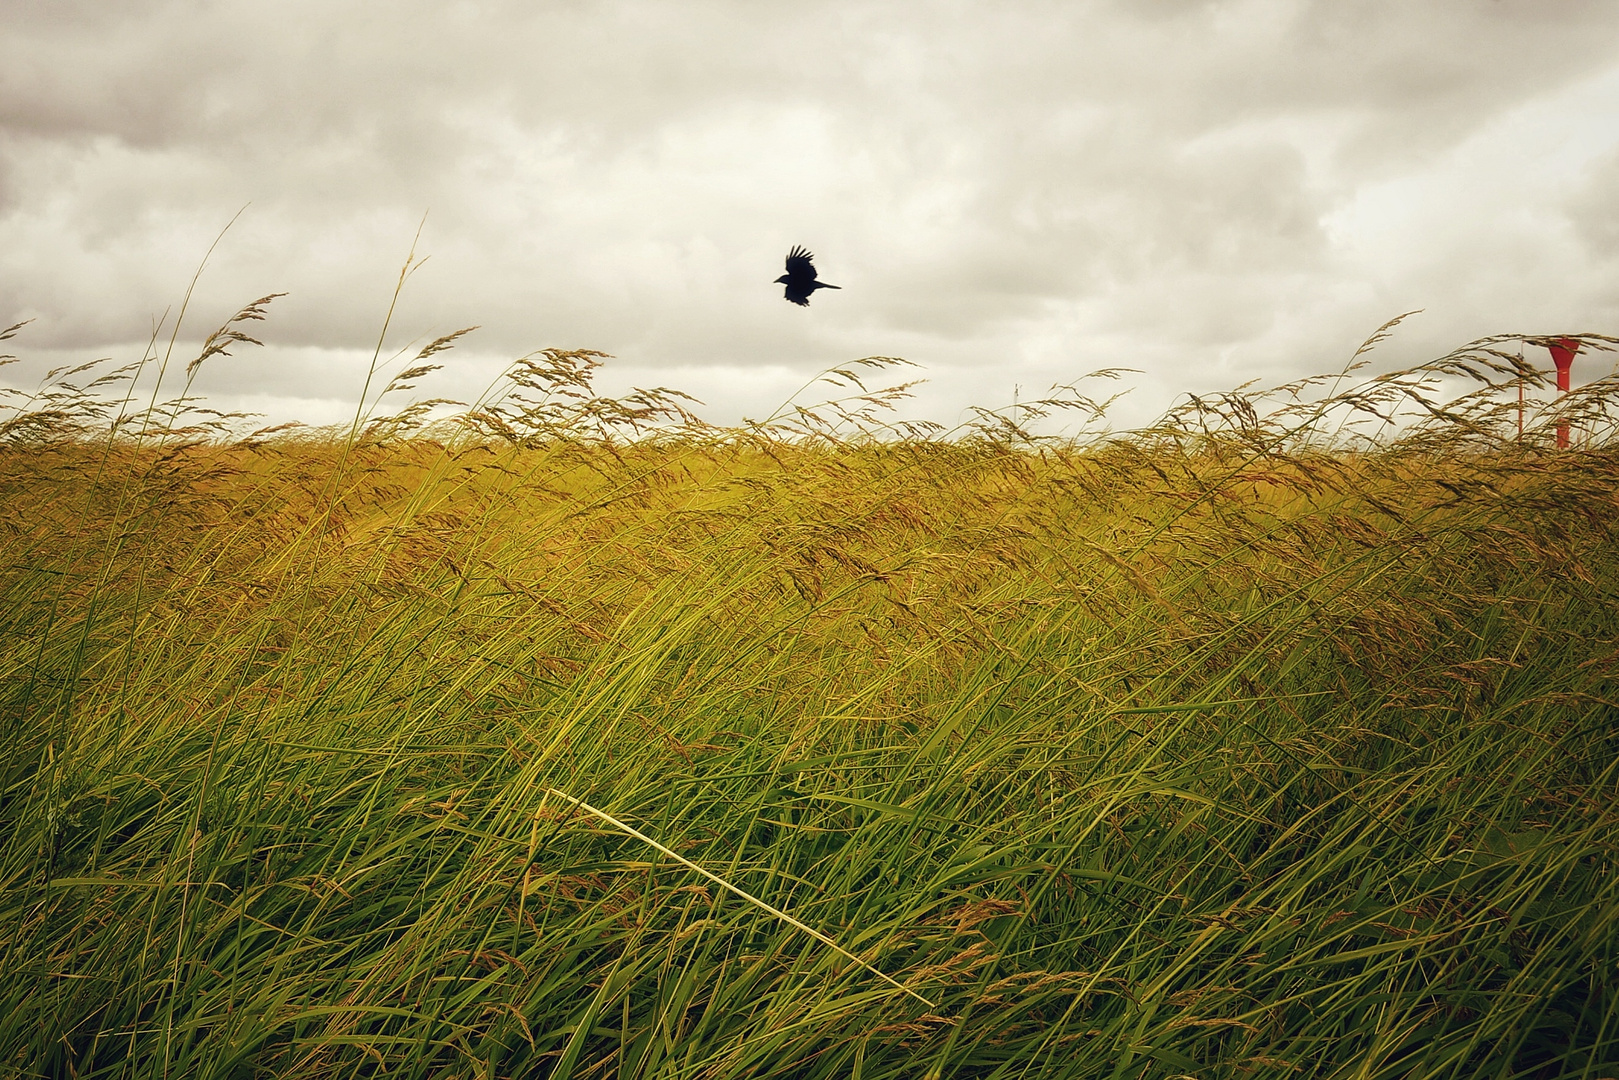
[1010, 195]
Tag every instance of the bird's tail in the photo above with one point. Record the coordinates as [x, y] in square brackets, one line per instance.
[824, 285]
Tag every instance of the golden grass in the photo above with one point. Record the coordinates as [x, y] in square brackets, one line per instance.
[1244, 745]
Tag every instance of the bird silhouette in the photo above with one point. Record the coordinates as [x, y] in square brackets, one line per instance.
[800, 277]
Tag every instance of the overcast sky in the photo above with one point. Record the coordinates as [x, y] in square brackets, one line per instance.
[1010, 194]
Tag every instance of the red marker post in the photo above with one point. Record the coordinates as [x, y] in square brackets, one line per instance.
[1563, 350]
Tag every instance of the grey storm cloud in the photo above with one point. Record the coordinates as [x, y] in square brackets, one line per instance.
[1009, 194]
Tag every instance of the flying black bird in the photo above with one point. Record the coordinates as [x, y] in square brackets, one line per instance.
[800, 277]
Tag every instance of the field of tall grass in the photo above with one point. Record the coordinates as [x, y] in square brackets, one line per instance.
[572, 737]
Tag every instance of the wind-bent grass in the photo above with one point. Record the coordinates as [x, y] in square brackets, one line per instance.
[1211, 750]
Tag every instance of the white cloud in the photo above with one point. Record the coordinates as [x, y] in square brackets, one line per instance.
[1010, 195]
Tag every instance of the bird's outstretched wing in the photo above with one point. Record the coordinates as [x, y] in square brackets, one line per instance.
[800, 264]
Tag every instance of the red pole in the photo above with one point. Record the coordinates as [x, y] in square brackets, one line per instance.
[1563, 350]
